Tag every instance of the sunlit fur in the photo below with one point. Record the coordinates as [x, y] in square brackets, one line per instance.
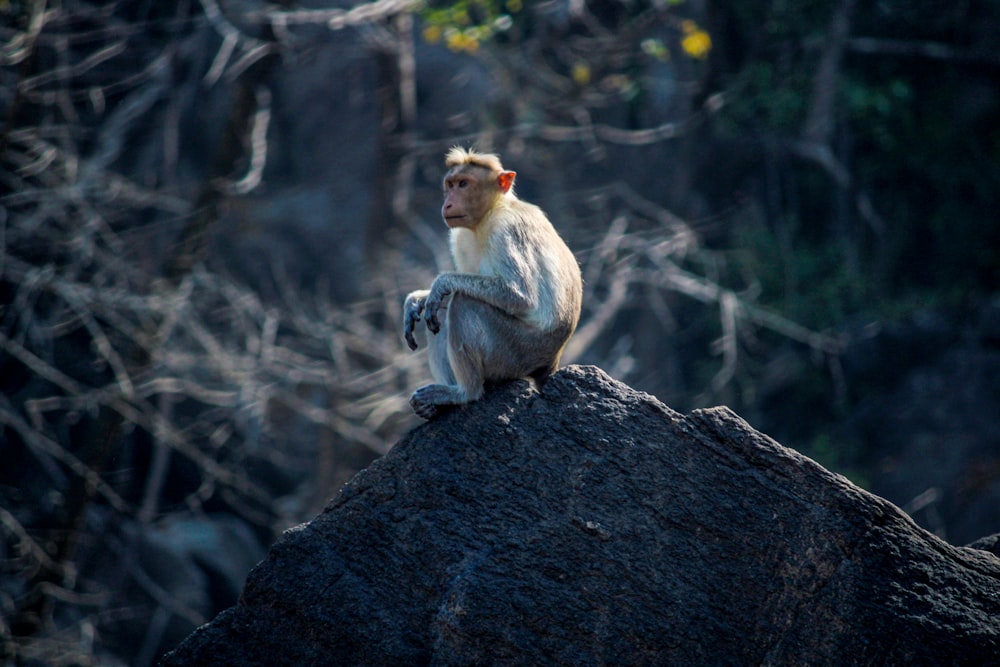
[514, 301]
[458, 156]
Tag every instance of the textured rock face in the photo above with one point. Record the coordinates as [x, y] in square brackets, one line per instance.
[592, 525]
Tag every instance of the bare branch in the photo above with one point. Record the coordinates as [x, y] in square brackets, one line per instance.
[819, 123]
[26, 544]
[258, 144]
[918, 49]
[76, 69]
[37, 440]
[337, 19]
[623, 259]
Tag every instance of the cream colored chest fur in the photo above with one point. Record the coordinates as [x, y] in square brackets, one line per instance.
[468, 252]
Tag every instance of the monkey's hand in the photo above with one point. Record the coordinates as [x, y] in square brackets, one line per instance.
[440, 291]
[413, 308]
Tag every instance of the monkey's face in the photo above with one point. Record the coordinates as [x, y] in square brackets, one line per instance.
[469, 193]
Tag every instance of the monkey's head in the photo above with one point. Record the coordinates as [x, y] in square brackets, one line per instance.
[473, 185]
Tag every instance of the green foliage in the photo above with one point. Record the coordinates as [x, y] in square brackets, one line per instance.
[928, 147]
[466, 24]
[919, 138]
[795, 19]
[766, 98]
[812, 285]
[882, 108]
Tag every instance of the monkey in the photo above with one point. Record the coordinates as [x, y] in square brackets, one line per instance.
[514, 300]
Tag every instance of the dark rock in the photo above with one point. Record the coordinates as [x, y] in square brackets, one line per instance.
[594, 525]
[989, 543]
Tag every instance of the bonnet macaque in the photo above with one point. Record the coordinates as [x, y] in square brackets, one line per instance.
[514, 300]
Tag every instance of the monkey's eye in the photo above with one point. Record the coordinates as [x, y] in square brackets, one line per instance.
[462, 183]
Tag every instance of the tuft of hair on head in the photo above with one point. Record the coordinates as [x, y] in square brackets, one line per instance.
[458, 156]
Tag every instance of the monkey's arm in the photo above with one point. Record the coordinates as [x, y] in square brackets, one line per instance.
[510, 296]
[413, 307]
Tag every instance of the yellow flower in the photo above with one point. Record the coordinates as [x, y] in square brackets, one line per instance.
[696, 42]
[581, 73]
[454, 39]
[461, 41]
[432, 34]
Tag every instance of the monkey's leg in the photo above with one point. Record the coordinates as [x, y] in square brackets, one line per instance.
[479, 342]
[426, 400]
[453, 358]
[437, 355]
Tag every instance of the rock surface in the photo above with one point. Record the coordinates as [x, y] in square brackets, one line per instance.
[592, 525]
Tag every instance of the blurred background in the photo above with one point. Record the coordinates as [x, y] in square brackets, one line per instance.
[210, 212]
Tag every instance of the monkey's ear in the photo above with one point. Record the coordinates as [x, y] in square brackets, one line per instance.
[505, 180]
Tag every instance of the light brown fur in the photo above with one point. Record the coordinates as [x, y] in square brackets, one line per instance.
[458, 156]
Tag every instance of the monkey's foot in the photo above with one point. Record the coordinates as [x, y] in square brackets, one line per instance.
[431, 400]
